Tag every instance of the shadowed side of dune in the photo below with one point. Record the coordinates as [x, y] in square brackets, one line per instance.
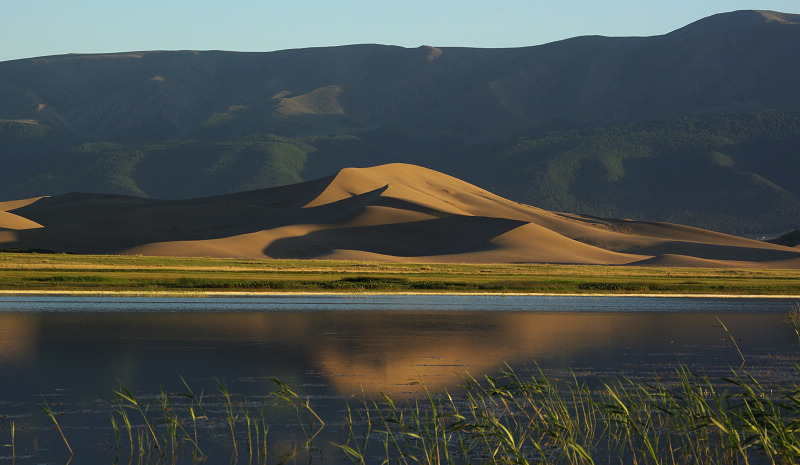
[681, 261]
[439, 236]
[721, 252]
[87, 223]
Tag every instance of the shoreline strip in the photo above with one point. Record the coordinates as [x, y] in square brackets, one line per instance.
[78, 293]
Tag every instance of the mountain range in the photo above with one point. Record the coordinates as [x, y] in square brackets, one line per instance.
[700, 126]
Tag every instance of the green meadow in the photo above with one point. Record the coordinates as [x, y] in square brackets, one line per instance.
[31, 272]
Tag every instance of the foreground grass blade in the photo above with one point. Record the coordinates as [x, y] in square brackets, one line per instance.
[49, 411]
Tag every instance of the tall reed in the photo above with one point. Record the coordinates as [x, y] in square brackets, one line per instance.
[49, 411]
[13, 443]
[131, 402]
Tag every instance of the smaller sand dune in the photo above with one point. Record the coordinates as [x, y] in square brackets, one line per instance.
[681, 261]
[790, 239]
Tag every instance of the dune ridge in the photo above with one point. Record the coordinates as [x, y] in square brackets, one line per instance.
[394, 212]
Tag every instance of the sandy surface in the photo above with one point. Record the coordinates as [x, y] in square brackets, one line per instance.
[395, 212]
[10, 221]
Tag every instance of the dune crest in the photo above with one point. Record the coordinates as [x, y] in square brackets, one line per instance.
[395, 212]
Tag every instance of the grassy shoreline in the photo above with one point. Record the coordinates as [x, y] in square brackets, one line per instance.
[25, 273]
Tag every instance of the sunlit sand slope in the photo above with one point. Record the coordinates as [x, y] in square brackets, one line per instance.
[10, 221]
[394, 212]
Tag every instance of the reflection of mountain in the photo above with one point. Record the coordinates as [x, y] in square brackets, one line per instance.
[379, 351]
[395, 212]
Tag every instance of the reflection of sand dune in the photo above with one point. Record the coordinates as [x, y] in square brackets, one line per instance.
[388, 353]
[394, 354]
[19, 337]
[392, 212]
[378, 351]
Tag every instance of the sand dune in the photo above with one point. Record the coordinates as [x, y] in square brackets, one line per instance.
[16, 222]
[395, 212]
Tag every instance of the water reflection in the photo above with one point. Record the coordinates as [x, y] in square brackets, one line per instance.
[76, 352]
[346, 351]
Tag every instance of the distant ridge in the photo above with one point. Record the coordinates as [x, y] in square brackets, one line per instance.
[167, 94]
[738, 19]
[395, 212]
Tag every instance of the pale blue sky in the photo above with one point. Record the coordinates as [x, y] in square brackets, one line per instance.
[30, 28]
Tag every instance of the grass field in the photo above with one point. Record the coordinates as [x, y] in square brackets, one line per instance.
[42, 272]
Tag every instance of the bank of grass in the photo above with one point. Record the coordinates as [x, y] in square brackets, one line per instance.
[112, 273]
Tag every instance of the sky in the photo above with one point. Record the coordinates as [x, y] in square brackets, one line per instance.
[31, 28]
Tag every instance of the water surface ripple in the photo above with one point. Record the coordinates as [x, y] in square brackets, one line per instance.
[340, 303]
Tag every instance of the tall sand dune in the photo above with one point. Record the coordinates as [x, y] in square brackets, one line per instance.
[394, 212]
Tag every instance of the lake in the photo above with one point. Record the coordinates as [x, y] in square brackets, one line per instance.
[75, 352]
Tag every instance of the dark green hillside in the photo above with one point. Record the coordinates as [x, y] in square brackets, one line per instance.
[39, 162]
[27, 151]
[735, 172]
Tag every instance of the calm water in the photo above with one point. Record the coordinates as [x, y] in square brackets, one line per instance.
[77, 351]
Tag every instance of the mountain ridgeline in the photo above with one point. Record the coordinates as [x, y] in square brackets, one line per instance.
[700, 126]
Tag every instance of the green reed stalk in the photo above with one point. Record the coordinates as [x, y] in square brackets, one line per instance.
[115, 429]
[248, 422]
[13, 443]
[131, 399]
[197, 402]
[192, 438]
[124, 414]
[231, 417]
[261, 436]
[390, 438]
[733, 339]
[175, 424]
[794, 319]
[355, 454]
[170, 422]
[49, 411]
[141, 439]
[284, 395]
